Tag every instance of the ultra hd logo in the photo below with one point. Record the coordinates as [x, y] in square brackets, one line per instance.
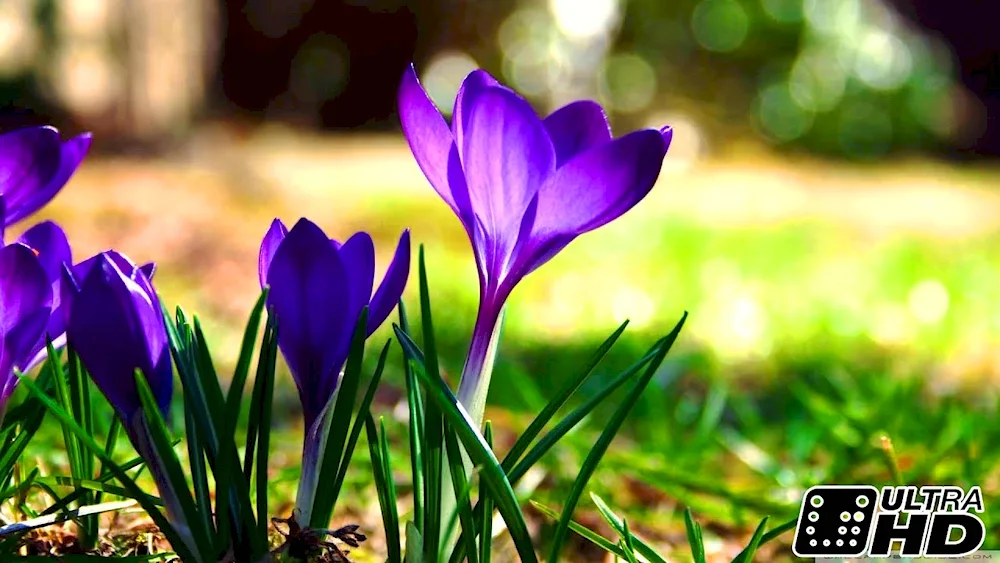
[841, 521]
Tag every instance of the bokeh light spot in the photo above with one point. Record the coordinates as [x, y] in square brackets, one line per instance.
[817, 80]
[883, 61]
[720, 25]
[779, 116]
[628, 82]
[582, 19]
[928, 301]
[833, 16]
[444, 75]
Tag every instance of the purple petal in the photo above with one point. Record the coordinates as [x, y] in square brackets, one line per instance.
[600, 185]
[149, 268]
[428, 135]
[392, 286]
[29, 196]
[507, 157]
[358, 256]
[474, 84]
[272, 238]
[310, 297]
[25, 301]
[52, 246]
[577, 127]
[116, 327]
[24, 287]
[29, 160]
[17, 348]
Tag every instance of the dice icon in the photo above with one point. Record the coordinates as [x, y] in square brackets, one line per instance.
[835, 521]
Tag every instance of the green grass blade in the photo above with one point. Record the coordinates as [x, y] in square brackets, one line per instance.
[363, 410]
[89, 485]
[604, 440]
[414, 544]
[433, 450]
[221, 452]
[776, 532]
[695, 539]
[164, 453]
[266, 363]
[166, 528]
[20, 426]
[626, 543]
[262, 414]
[746, 556]
[461, 486]
[486, 521]
[563, 395]
[577, 415]
[617, 524]
[234, 397]
[583, 531]
[491, 474]
[416, 429]
[199, 479]
[378, 450]
[339, 425]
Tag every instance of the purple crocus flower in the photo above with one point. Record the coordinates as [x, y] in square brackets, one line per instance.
[318, 288]
[35, 163]
[522, 186]
[25, 307]
[115, 324]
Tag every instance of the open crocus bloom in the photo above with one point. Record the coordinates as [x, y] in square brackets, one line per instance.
[318, 289]
[522, 186]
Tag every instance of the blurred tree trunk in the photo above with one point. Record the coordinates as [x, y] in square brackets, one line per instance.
[134, 71]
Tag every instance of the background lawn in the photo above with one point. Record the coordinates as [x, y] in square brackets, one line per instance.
[843, 328]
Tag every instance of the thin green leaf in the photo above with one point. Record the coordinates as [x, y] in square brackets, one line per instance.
[617, 524]
[333, 456]
[486, 522]
[604, 440]
[235, 395]
[166, 528]
[171, 466]
[416, 429]
[491, 474]
[776, 532]
[263, 414]
[746, 556]
[414, 544]
[433, 423]
[461, 486]
[378, 450]
[626, 543]
[695, 539]
[583, 531]
[363, 410]
[552, 437]
[560, 399]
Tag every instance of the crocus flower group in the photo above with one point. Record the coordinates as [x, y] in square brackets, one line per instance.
[522, 186]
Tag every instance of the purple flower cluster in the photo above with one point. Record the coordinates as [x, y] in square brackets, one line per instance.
[523, 186]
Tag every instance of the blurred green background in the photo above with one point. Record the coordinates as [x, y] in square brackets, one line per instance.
[839, 265]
